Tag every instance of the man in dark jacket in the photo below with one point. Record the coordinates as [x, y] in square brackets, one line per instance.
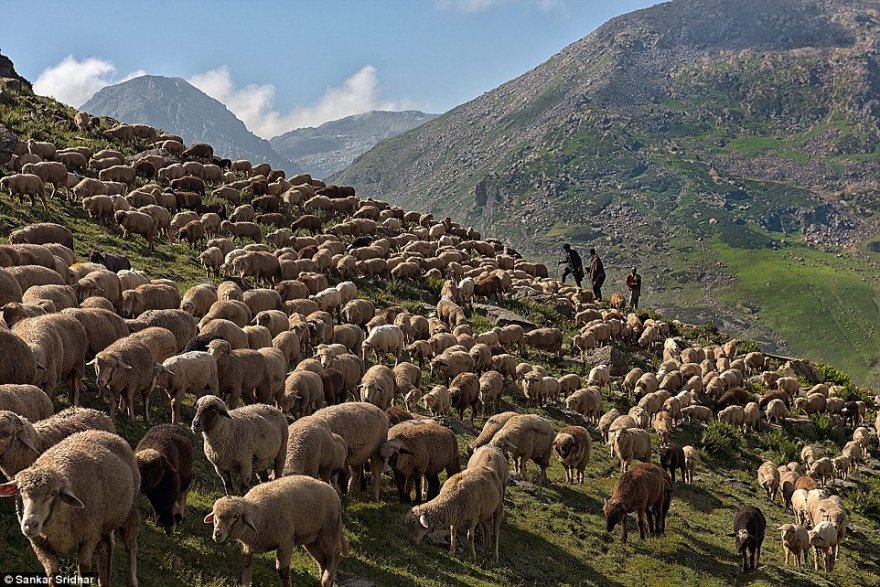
[574, 265]
[634, 283]
[597, 274]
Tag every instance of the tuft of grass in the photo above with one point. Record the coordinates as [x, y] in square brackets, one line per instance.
[780, 446]
[825, 427]
[721, 442]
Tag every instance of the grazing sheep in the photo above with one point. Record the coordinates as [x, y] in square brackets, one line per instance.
[75, 495]
[303, 393]
[526, 437]
[383, 341]
[491, 387]
[313, 450]
[437, 401]
[124, 368]
[672, 458]
[164, 457]
[464, 392]
[631, 443]
[645, 489]
[59, 344]
[279, 515]
[25, 184]
[241, 373]
[28, 401]
[663, 424]
[587, 403]
[822, 470]
[547, 339]
[776, 411]
[364, 428]
[241, 442]
[42, 233]
[748, 530]
[471, 497]
[417, 451]
[190, 372]
[133, 222]
[573, 446]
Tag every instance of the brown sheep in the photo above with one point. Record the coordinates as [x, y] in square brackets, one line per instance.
[645, 489]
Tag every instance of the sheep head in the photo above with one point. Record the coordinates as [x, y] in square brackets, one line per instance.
[230, 517]
[42, 489]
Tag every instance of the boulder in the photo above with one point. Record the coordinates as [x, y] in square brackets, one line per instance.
[608, 355]
[501, 317]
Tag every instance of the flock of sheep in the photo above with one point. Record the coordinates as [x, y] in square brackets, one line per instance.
[293, 378]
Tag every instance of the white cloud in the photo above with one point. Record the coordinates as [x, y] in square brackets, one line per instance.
[255, 104]
[73, 82]
[478, 6]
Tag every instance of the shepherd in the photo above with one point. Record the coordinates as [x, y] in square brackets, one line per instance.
[574, 265]
[634, 283]
[597, 274]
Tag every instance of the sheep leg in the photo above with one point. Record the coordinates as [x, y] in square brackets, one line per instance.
[816, 555]
[471, 536]
[452, 544]
[175, 409]
[247, 570]
[402, 487]
[376, 466]
[282, 563]
[226, 478]
[145, 400]
[642, 525]
[105, 554]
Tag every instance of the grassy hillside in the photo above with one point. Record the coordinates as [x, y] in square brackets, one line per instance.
[550, 536]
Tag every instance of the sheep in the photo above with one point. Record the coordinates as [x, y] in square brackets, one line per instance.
[748, 530]
[645, 489]
[822, 469]
[25, 184]
[303, 393]
[830, 509]
[587, 403]
[464, 392]
[437, 400]
[364, 428]
[164, 457]
[21, 441]
[75, 495]
[548, 339]
[26, 400]
[769, 479]
[59, 344]
[691, 460]
[776, 411]
[420, 450]
[313, 450]
[824, 540]
[631, 443]
[190, 372]
[491, 388]
[572, 447]
[383, 341]
[241, 373]
[20, 366]
[471, 497]
[452, 363]
[751, 417]
[795, 541]
[377, 386]
[160, 341]
[700, 414]
[663, 425]
[133, 222]
[672, 457]
[526, 437]
[41, 234]
[247, 440]
[181, 324]
[279, 515]
[732, 415]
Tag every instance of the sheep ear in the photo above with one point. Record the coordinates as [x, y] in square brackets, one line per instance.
[70, 499]
[246, 518]
[423, 520]
[225, 414]
[9, 489]
[209, 519]
[93, 361]
[22, 438]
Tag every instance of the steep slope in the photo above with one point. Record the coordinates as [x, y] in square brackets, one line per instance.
[332, 146]
[550, 536]
[175, 105]
[685, 138]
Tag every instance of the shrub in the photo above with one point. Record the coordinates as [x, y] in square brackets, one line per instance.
[829, 374]
[865, 501]
[721, 441]
[782, 448]
[825, 426]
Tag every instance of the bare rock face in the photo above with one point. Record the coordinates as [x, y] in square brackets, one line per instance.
[8, 74]
[8, 142]
[611, 356]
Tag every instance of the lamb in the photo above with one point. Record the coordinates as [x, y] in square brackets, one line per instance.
[587, 403]
[631, 443]
[822, 470]
[437, 401]
[164, 457]
[769, 479]
[387, 340]
[75, 495]
[364, 428]
[21, 441]
[573, 446]
[645, 489]
[279, 515]
[133, 222]
[471, 497]
[491, 388]
[748, 530]
[247, 440]
[526, 437]
[25, 184]
[795, 541]
[548, 339]
[824, 540]
[414, 451]
[691, 460]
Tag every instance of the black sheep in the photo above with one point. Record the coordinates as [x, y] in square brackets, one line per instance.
[112, 261]
[748, 530]
[850, 414]
[672, 458]
[201, 342]
[165, 456]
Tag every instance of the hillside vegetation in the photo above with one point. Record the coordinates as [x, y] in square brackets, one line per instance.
[672, 136]
[551, 535]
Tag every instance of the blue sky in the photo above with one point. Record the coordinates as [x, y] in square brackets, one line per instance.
[280, 65]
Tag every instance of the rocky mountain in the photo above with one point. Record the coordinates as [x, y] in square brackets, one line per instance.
[334, 145]
[729, 148]
[175, 105]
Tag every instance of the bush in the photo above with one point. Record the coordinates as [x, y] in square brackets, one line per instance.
[782, 448]
[866, 502]
[721, 441]
[825, 426]
[829, 374]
